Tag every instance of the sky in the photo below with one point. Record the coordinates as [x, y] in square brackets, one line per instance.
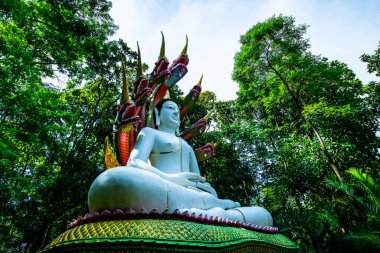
[338, 29]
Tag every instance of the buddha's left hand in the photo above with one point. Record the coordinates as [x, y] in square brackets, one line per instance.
[185, 178]
[206, 187]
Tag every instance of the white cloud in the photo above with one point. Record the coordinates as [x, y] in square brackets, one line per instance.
[341, 30]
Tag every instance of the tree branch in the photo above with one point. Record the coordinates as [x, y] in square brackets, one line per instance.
[46, 24]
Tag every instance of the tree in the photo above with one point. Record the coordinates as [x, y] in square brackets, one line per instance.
[51, 137]
[372, 89]
[373, 61]
[310, 118]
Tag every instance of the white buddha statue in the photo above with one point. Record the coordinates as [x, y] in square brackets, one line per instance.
[162, 173]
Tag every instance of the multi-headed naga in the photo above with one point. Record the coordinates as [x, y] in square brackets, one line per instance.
[137, 112]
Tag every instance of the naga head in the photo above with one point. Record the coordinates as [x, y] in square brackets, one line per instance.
[160, 73]
[126, 113]
[178, 68]
[204, 153]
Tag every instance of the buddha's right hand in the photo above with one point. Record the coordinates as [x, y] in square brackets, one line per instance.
[185, 179]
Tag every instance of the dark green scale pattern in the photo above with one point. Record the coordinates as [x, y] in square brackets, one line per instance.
[155, 235]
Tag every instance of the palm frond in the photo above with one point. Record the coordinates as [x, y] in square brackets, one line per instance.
[367, 184]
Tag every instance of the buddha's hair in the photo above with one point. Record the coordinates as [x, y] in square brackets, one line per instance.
[161, 103]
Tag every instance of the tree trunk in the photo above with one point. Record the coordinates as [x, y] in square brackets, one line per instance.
[325, 151]
[315, 130]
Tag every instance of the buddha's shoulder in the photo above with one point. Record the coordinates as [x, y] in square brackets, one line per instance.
[185, 144]
[149, 130]
[152, 133]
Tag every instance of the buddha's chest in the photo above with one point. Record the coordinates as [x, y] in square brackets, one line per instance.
[170, 155]
[169, 144]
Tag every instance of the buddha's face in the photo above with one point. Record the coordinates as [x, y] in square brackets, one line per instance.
[169, 115]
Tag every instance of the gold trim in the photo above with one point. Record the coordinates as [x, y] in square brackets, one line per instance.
[180, 146]
[110, 160]
[172, 151]
[164, 152]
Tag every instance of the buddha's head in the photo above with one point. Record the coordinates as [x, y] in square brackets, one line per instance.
[167, 114]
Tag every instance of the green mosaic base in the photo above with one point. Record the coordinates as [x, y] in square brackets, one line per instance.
[154, 235]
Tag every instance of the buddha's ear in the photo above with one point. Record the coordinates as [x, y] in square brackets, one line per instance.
[157, 116]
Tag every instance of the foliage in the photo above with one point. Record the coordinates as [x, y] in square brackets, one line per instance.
[373, 61]
[362, 196]
[51, 138]
[363, 189]
[309, 118]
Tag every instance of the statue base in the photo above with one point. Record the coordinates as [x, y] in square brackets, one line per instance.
[165, 235]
